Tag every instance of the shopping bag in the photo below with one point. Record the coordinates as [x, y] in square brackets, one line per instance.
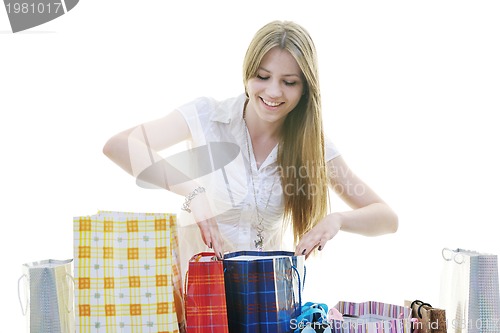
[48, 293]
[127, 276]
[205, 295]
[470, 291]
[312, 319]
[371, 317]
[263, 290]
[426, 318]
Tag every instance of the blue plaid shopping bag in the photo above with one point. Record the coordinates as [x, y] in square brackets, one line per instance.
[263, 290]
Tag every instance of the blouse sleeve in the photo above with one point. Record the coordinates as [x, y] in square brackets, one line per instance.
[330, 150]
[197, 115]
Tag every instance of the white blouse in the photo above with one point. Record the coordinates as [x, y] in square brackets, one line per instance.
[230, 187]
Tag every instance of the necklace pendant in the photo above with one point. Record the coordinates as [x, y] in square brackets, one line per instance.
[259, 243]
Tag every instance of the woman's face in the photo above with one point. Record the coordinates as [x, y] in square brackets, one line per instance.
[277, 88]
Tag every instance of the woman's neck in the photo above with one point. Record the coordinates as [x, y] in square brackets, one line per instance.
[264, 135]
[259, 129]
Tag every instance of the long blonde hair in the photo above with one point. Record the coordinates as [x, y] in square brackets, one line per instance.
[301, 155]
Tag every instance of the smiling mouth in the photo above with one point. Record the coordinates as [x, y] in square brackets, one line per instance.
[272, 104]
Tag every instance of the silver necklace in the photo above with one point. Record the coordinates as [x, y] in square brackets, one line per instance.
[259, 242]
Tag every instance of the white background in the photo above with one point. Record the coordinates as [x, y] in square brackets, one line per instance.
[410, 92]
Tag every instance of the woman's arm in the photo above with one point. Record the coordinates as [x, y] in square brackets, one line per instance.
[136, 151]
[132, 148]
[370, 216]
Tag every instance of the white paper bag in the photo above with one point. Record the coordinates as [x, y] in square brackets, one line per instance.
[470, 291]
[48, 291]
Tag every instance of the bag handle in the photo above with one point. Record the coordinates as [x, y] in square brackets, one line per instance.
[304, 281]
[298, 278]
[315, 305]
[417, 301]
[186, 283]
[67, 301]
[421, 304]
[196, 258]
[309, 310]
[453, 256]
[23, 309]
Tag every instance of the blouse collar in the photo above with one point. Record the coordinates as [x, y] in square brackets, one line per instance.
[229, 109]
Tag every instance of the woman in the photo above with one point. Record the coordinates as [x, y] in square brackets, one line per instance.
[284, 164]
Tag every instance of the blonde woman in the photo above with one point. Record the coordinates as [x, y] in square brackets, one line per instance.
[277, 165]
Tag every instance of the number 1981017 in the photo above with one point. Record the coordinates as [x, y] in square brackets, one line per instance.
[32, 8]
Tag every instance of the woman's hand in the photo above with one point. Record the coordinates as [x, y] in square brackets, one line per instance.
[202, 213]
[317, 237]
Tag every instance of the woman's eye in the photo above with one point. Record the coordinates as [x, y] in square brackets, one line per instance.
[287, 83]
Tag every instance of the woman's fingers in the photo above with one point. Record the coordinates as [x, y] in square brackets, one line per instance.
[318, 236]
[202, 213]
[217, 243]
[315, 239]
[307, 248]
[211, 236]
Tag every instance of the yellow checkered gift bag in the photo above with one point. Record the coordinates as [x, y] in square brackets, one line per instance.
[127, 273]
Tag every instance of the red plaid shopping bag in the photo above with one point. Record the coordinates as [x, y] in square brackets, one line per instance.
[205, 295]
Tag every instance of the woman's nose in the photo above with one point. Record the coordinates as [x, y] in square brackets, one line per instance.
[274, 89]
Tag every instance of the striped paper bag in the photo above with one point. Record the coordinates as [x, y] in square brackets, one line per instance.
[127, 276]
[372, 317]
[205, 295]
[263, 290]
